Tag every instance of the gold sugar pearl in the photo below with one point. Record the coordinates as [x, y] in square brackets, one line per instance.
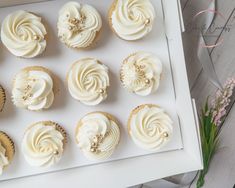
[147, 21]
[93, 144]
[55, 152]
[101, 91]
[165, 134]
[93, 150]
[36, 37]
[70, 27]
[147, 81]
[74, 20]
[95, 139]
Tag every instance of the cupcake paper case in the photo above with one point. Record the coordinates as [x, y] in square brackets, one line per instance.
[97, 135]
[2, 98]
[23, 34]
[7, 151]
[43, 144]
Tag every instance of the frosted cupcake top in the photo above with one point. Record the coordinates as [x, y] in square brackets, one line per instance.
[97, 136]
[33, 89]
[141, 72]
[150, 127]
[43, 144]
[23, 34]
[78, 24]
[88, 81]
[132, 19]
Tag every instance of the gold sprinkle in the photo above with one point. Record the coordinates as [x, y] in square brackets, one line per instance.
[36, 37]
[93, 150]
[70, 27]
[147, 21]
[147, 81]
[56, 152]
[93, 144]
[165, 134]
[74, 20]
[101, 91]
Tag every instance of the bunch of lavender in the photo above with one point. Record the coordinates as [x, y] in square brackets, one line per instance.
[212, 117]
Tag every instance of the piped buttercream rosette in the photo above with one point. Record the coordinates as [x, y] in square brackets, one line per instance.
[97, 135]
[33, 88]
[43, 144]
[88, 81]
[23, 34]
[131, 19]
[150, 127]
[141, 73]
[78, 25]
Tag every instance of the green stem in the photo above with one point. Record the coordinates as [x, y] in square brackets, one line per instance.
[200, 181]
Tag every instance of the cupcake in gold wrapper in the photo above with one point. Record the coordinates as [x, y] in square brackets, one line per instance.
[33, 88]
[43, 144]
[7, 151]
[97, 135]
[150, 127]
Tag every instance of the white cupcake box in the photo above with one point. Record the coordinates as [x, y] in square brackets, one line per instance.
[129, 165]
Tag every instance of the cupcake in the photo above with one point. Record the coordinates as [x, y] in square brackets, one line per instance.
[2, 98]
[97, 135]
[131, 20]
[88, 81]
[23, 34]
[7, 151]
[140, 73]
[43, 144]
[33, 88]
[78, 25]
[150, 127]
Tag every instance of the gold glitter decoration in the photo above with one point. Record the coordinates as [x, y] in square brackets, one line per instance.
[96, 142]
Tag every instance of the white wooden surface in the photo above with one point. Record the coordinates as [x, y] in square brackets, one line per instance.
[222, 169]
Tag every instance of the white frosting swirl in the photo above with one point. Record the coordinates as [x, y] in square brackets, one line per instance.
[150, 128]
[33, 90]
[97, 136]
[42, 144]
[88, 81]
[78, 24]
[3, 158]
[141, 73]
[23, 34]
[132, 19]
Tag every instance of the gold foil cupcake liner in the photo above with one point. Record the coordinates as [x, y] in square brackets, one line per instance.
[8, 144]
[2, 98]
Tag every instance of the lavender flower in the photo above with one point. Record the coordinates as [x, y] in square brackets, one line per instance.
[221, 101]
